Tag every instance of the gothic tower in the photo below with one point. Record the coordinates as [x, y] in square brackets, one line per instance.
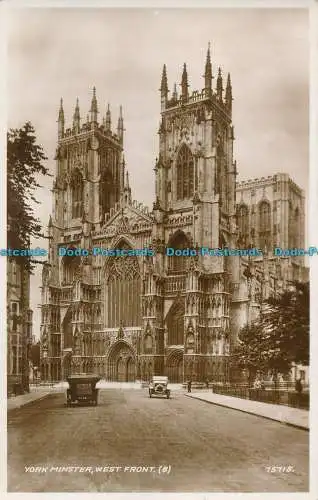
[90, 177]
[195, 208]
[89, 182]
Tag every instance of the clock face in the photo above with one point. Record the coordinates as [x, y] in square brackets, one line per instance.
[94, 143]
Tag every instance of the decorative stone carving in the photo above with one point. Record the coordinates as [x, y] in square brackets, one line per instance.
[121, 333]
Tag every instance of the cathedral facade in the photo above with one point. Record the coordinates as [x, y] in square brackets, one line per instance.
[129, 317]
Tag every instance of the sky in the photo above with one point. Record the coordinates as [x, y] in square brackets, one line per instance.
[64, 52]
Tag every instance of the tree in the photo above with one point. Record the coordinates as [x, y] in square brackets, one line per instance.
[25, 162]
[279, 337]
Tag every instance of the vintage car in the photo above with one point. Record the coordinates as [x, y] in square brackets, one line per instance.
[82, 389]
[159, 387]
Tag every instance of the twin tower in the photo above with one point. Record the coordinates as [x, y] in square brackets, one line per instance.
[194, 166]
[132, 317]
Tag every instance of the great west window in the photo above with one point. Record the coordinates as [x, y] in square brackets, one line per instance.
[123, 291]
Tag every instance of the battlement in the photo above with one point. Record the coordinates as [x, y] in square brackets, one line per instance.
[196, 96]
[89, 127]
[269, 180]
[91, 123]
[255, 182]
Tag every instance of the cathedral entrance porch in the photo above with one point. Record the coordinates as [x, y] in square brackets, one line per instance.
[121, 363]
[174, 366]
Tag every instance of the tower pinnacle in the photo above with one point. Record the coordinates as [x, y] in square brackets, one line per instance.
[94, 109]
[108, 119]
[164, 82]
[184, 84]
[219, 86]
[228, 94]
[208, 72]
[175, 93]
[76, 117]
[120, 126]
[61, 121]
[164, 88]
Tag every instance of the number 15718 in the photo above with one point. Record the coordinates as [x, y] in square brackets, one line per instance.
[280, 468]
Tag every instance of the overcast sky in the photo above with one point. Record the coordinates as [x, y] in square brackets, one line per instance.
[56, 53]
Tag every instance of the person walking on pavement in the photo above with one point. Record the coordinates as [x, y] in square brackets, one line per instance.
[189, 385]
[298, 386]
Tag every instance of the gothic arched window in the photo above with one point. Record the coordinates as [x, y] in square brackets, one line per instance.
[297, 228]
[106, 192]
[185, 173]
[123, 292]
[178, 263]
[293, 227]
[242, 222]
[77, 195]
[264, 224]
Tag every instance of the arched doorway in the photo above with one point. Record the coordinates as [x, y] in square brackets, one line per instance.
[130, 370]
[121, 365]
[175, 366]
[175, 323]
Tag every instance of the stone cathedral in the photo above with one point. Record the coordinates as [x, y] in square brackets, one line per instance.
[128, 318]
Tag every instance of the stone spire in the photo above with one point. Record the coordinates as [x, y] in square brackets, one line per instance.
[208, 72]
[76, 118]
[228, 94]
[164, 88]
[219, 86]
[164, 82]
[175, 93]
[120, 126]
[108, 119]
[94, 109]
[61, 121]
[127, 190]
[184, 84]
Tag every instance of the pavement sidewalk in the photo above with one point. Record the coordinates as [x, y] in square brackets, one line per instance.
[25, 399]
[284, 414]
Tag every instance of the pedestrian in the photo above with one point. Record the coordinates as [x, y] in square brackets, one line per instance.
[298, 386]
[257, 387]
[207, 383]
[189, 385]
[257, 384]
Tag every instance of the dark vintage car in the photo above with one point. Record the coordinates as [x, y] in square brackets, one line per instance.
[159, 387]
[82, 389]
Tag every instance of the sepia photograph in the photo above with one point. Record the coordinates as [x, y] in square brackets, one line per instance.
[158, 250]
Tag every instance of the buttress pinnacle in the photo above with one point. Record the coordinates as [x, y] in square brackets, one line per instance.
[164, 82]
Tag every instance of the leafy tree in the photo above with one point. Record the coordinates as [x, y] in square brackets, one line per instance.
[279, 337]
[25, 162]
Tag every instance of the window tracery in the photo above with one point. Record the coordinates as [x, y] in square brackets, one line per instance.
[264, 224]
[77, 195]
[242, 223]
[185, 174]
[123, 291]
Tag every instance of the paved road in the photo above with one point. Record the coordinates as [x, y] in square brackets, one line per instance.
[209, 448]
